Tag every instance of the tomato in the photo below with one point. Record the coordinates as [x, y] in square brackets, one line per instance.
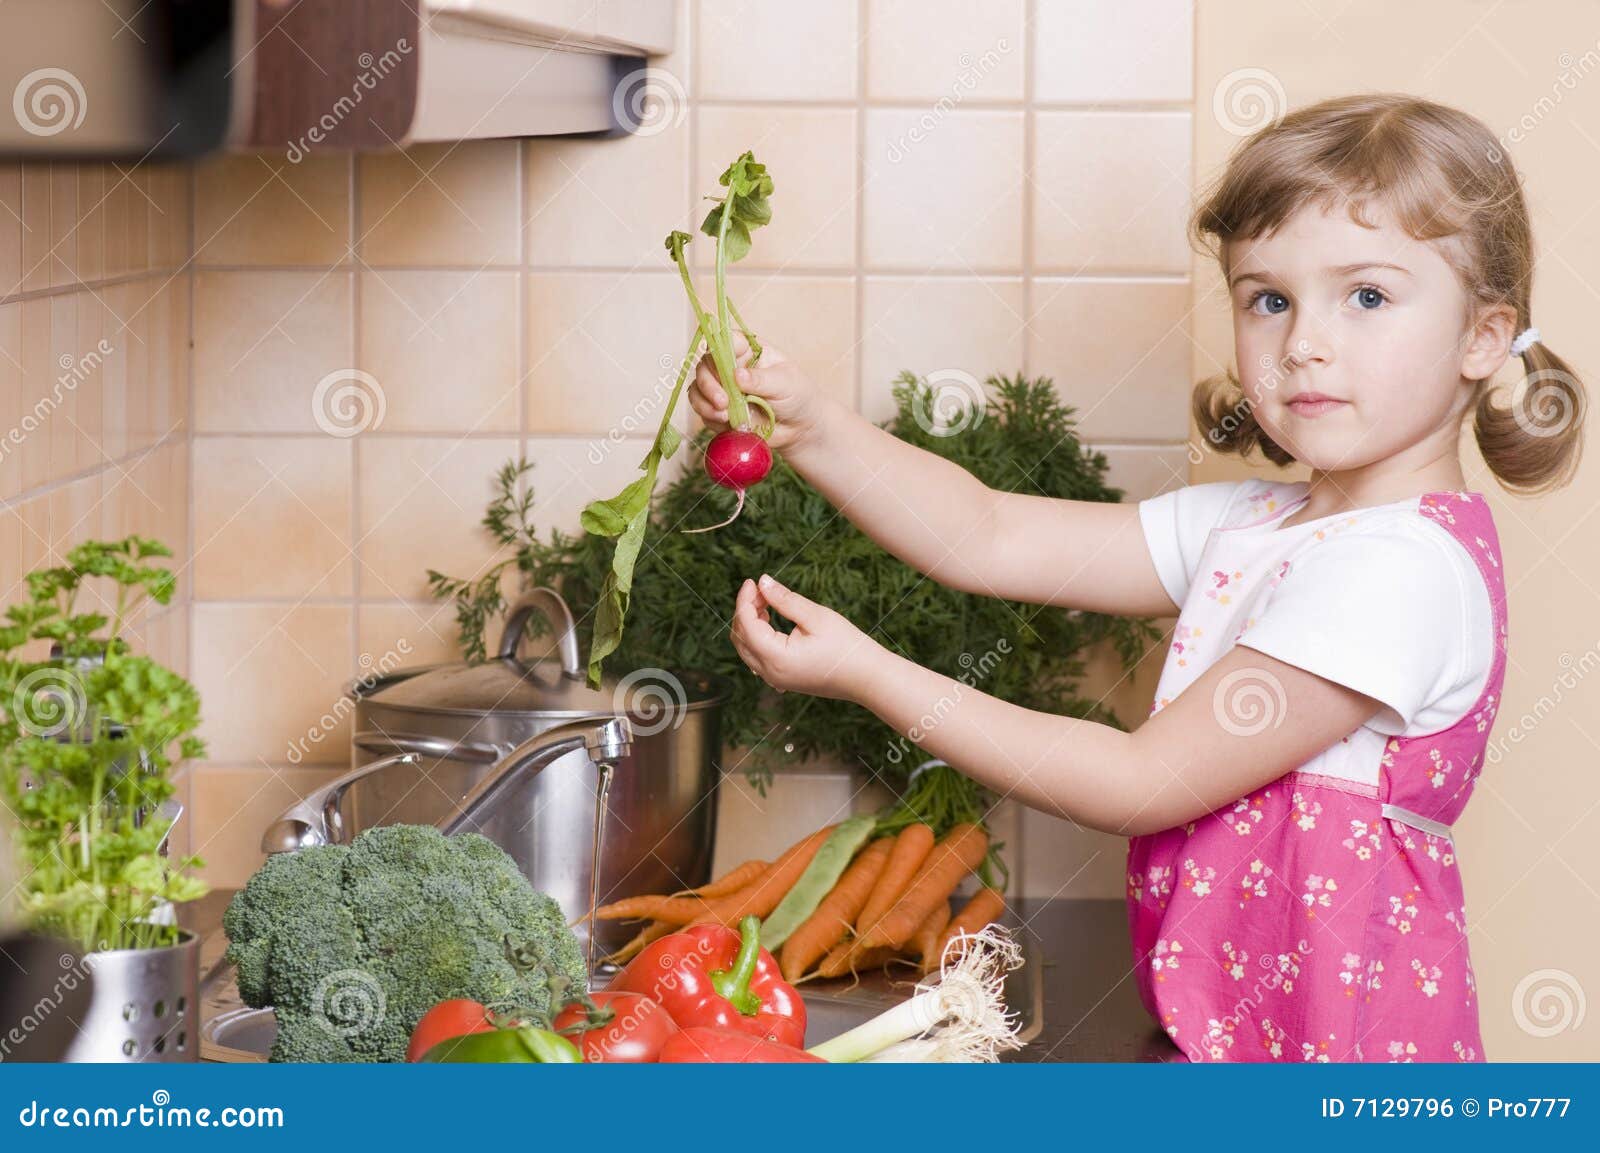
[445, 1020]
[639, 1026]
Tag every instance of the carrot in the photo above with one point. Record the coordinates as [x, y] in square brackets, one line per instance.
[911, 848]
[651, 932]
[961, 851]
[677, 910]
[833, 917]
[845, 958]
[983, 909]
[730, 882]
[762, 895]
[681, 907]
[924, 940]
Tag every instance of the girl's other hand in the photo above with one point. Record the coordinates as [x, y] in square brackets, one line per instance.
[775, 379]
[824, 656]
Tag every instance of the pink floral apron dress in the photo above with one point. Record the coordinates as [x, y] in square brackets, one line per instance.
[1321, 917]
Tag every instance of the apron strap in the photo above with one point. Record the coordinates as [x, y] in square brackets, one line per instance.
[1417, 821]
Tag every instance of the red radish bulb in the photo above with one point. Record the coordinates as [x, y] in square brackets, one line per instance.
[736, 458]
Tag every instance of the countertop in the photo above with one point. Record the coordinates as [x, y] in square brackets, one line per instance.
[1091, 1009]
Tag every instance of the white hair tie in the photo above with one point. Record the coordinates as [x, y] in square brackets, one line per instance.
[1525, 340]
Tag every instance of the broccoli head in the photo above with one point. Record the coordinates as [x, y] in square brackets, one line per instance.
[352, 944]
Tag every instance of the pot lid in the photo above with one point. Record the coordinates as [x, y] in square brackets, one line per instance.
[507, 684]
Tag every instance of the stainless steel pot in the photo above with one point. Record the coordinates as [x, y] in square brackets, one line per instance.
[459, 720]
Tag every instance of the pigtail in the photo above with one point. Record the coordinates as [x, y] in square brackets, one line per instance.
[1227, 421]
[1533, 444]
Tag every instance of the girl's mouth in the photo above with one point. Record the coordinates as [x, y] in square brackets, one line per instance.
[1312, 404]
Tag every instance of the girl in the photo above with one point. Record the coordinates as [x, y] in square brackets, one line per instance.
[1293, 890]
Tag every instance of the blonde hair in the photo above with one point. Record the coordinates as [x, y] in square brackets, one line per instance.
[1445, 177]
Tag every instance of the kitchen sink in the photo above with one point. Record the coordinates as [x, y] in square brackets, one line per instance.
[233, 1032]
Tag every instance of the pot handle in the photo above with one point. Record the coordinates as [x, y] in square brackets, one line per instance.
[389, 743]
[548, 602]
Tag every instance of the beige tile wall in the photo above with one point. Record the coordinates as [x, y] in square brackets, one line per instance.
[94, 372]
[958, 186]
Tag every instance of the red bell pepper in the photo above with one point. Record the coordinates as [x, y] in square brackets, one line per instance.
[709, 975]
[727, 1046]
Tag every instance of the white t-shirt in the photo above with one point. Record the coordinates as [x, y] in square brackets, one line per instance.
[1383, 600]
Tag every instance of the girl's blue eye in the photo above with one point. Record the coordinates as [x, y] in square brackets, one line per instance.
[1275, 303]
[1368, 298]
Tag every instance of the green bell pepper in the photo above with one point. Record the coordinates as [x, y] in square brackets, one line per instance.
[521, 1045]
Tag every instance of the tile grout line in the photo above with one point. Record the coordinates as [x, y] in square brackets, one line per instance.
[859, 336]
[353, 219]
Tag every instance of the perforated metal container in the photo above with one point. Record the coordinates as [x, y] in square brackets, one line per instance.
[145, 1005]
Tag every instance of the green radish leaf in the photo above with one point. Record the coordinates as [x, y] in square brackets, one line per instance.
[669, 441]
[612, 517]
[737, 241]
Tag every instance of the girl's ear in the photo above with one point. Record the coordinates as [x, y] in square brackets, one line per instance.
[1489, 343]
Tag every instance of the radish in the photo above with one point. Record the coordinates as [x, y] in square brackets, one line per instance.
[736, 458]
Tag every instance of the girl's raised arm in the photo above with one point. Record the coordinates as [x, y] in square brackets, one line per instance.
[942, 521]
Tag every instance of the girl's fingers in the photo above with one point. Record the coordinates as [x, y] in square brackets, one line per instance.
[707, 384]
[791, 604]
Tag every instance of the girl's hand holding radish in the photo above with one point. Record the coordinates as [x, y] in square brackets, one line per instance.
[824, 654]
[771, 377]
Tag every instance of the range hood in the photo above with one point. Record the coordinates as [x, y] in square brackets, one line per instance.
[129, 78]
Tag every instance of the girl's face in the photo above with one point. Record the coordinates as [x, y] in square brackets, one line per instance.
[1351, 341]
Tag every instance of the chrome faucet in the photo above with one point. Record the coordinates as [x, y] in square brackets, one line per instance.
[317, 820]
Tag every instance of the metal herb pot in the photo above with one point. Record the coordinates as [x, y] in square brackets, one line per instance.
[145, 1004]
[459, 720]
